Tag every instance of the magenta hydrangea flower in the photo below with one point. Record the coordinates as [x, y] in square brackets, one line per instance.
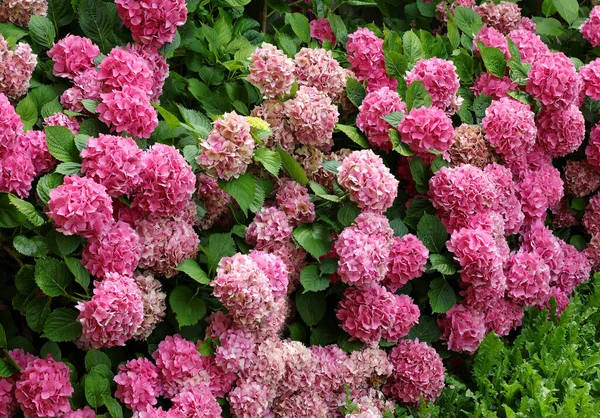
[590, 74]
[320, 29]
[271, 71]
[269, 229]
[16, 68]
[214, 199]
[20, 11]
[128, 110]
[592, 151]
[581, 178]
[165, 244]
[11, 127]
[317, 68]
[312, 117]
[8, 403]
[491, 37]
[591, 218]
[17, 171]
[527, 278]
[197, 402]
[72, 56]
[427, 128]
[539, 190]
[368, 180]
[114, 250]
[407, 260]
[44, 388]
[60, 119]
[463, 329]
[375, 106]
[34, 143]
[503, 16]
[138, 384]
[507, 203]
[560, 131]
[439, 78]
[539, 239]
[152, 22]
[553, 80]
[367, 60]
[114, 313]
[418, 372]
[157, 63]
[124, 68]
[591, 27]
[492, 86]
[509, 126]
[229, 148]
[575, 270]
[153, 300]
[86, 86]
[85, 412]
[531, 46]
[373, 313]
[114, 162]
[293, 199]
[167, 182]
[502, 316]
[80, 206]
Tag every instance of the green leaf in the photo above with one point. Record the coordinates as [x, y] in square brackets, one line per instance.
[394, 118]
[270, 160]
[464, 67]
[193, 270]
[398, 227]
[97, 386]
[286, 43]
[338, 27]
[60, 12]
[328, 266]
[567, 9]
[438, 163]
[6, 370]
[427, 9]
[417, 96]
[68, 169]
[442, 264]
[314, 238]
[354, 134]
[311, 306]
[395, 64]
[332, 166]
[25, 280]
[548, 8]
[297, 331]
[26, 209]
[219, 246]
[12, 33]
[236, 3]
[426, 330]
[62, 245]
[292, 166]
[94, 358]
[114, 408]
[37, 312]
[188, 307]
[441, 296]
[453, 35]
[420, 174]
[50, 347]
[493, 59]
[3, 341]
[311, 279]
[81, 274]
[52, 276]
[61, 144]
[467, 20]
[197, 120]
[42, 30]
[96, 20]
[170, 118]
[300, 25]
[62, 325]
[432, 233]
[348, 213]
[207, 348]
[549, 27]
[413, 50]
[480, 104]
[28, 112]
[322, 192]
[355, 91]
[400, 147]
[241, 189]
[27, 246]
[489, 355]
[51, 108]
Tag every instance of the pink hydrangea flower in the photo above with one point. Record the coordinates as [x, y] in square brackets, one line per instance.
[592, 151]
[590, 73]
[16, 68]
[427, 128]
[86, 86]
[128, 110]
[307, 400]
[80, 206]
[502, 316]
[312, 117]
[115, 250]
[268, 365]
[197, 402]
[591, 218]
[463, 329]
[407, 260]
[509, 126]
[575, 269]
[293, 199]
[367, 60]
[531, 46]
[275, 269]
[272, 111]
[535, 159]
[560, 131]
[375, 106]
[581, 178]
[439, 78]
[60, 119]
[229, 148]
[124, 68]
[330, 368]
[553, 80]
[527, 278]
[44, 388]
[591, 27]
[373, 313]
[138, 384]
[8, 403]
[317, 68]
[72, 56]
[320, 29]
[11, 127]
[165, 244]
[157, 63]
[368, 180]
[150, 412]
[539, 239]
[167, 182]
[85, 412]
[539, 190]
[153, 300]
[236, 348]
[16, 171]
[507, 203]
[367, 367]
[34, 143]
[152, 22]
[250, 399]
[492, 86]
[20, 11]
[271, 71]
[114, 162]
[491, 37]
[114, 313]
[299, 364]
[504, 16]
[214, 199]
[269, 229]
[418, 372]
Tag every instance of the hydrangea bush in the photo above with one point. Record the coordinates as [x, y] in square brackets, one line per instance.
[303, 209]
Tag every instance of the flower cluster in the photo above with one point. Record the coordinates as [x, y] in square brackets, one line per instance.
[367, 60]
[439, 78]
[426, 129]
[375, 106]
[16, 66]
[20, 11]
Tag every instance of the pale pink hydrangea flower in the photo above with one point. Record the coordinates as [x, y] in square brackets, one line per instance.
[150, 412]
[114, 313]
[439, 78]
[407, 260]
[293, 199]
[16, 68]
[504, 16]
[269, 229]
[303, 404]
[418, 372]
[591, 218]
[60, 119]
[317, 68]
[491, 37]
[214, 199]
[275, 269]
[152, 22]
[73, 56]
[539, 190]
[228, 150]
[375, 106]
[268, 365]
[153, 299]
[509, 127]
[124, 68]
[295, 260]
[114, 162]
[138, 384]
[330, 368]
[591, 27]
[85, 412]
[560, 131]
[581, 178]
[320, 29]
[34, 143]
[197, 402]
[167, 182]
[80, 206]
[271, 71]
[272, 111]
[368, 367]
[527, 278]
[115, 250]
[236, 349]
[312, 117]
[165, 244]
[299, 368]
[368, 180]
[553, 80]
[128, 110]
[20, 11]
[427, 128]
[492, 86]
[463, 329]
[531, 47]
[250, 399]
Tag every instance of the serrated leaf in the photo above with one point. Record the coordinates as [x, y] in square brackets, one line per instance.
[96, 20]
[292, 166]
[52, 276]
[398, 227]
[270, 160]
[27, 246]
[26, 209]
[420, 174]
[114, 408]
[441, 296]
[60, 12]
[61, 144]
[467, 20]
[311, 279]
[314, 238]
[417, 96]
[300, 25]
[193, 270]
[493, 59]
[328, 266]
[355, 91]
[348, 213]
[62, 325]
[442, 264]
[51, 108]
[90, 105]
[568, 9]
[12, 33]
[62, 245]
[28, 112]
[400, 147]
[453, 35]
[394, 118]
[332, 166]
[413, 50]
[241, 189]
[25, 280]
[81, 274]
[426, 330]
[395, 64]
[207, 348]
[438, 163]
[50, 347]
[311, 306]
[549, 27]
[170, 118]
[94, 358]
[6, 370]
[464, 67]
[188, 307]
[432, 232]
[68, 169]
[42, 30]
[37, 312]
[354, 134]
[97, 387]
[219, 246]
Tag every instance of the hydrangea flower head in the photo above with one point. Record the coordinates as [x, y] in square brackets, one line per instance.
[463, 329]
[503, 16]
[553, 80]
[407, 260]
[138, 384]
[560, 131]
[73, 56]
[581, 178]
[197, 402]
[317, 68]
[20, 11]
[16, 68]
[539, 190]
[491, 37]
[427, 128]
[591, 27]
[128, 110]
[320, 29]
[124, 68]
[34, 143]
[531, 46]
[509, 126]
[153, 299]
[527, 278]
[439, 78]
[269, 229]
[492, 86]
[177, 360]
[271, 71]
[375, 106]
